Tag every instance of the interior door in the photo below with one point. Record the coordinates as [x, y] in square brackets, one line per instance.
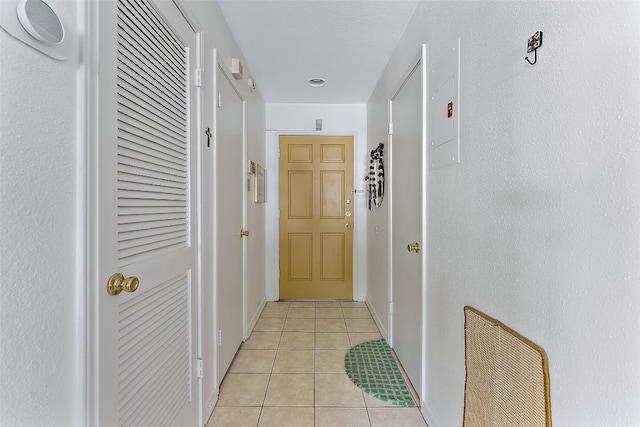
[230, 191]
[407, 140]
[316, 217]
[145, 211]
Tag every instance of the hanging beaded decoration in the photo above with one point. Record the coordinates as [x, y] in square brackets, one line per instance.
[375, 177]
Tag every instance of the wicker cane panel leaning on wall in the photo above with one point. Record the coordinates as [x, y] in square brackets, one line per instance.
[507, 382]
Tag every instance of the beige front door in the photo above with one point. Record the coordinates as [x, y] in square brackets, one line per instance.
[316, 217]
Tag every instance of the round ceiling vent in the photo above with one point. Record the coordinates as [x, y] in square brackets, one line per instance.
[317, 82]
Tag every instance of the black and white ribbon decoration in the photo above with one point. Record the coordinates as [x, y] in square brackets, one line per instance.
[376, 177]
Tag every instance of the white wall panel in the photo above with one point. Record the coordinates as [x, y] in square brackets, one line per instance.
[537, 226]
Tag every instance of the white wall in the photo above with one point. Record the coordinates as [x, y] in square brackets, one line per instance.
[42, 253]
[538, 226]
[41, 364]
[337, 119]
[377, 219]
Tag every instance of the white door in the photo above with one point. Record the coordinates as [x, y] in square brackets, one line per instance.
[230, 191]
[147, 217]
[407, 140]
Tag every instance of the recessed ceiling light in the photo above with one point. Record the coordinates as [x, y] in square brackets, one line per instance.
[317, 82]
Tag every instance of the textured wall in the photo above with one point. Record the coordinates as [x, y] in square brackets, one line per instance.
[377, 218]
[538, 226]
[40, 360]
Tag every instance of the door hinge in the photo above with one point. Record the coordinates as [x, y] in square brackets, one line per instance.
[278, 153]
[278, 273]
[391, 307]
[219, 336]
[390, 128]
[219, 99]
[200, 368]
[198, 77]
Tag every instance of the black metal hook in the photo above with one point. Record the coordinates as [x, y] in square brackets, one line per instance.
[533, 44]
[535, 57]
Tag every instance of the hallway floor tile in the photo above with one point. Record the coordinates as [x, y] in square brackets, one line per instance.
[290, 372]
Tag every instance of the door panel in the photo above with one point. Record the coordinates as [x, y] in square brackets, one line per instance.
[406, 188]
[230, 190]
[316, 234]
[147, 338]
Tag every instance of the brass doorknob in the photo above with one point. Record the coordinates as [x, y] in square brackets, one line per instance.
[414, 247]
[118, 283]
[244, 233]
[347, 226]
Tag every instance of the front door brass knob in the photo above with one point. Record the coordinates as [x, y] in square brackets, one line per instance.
[244, 233]
[414, 247]
[118, 283]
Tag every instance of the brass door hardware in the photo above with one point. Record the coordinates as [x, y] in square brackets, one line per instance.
[118, 283]
[414, 247]
[347, 226]
[244, 233]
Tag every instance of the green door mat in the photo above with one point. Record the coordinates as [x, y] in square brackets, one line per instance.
[371, 366]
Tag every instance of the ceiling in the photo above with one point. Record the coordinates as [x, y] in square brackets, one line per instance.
[346, 42]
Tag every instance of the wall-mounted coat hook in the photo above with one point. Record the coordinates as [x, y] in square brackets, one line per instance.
[533, 44]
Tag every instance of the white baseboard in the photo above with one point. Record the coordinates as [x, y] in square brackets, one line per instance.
[209, 407]
[254, 319]
[428, 416]
[376, 318]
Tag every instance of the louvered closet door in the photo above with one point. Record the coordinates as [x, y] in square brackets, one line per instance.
[147, 216]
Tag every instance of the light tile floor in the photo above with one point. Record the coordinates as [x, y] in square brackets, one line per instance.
[290, 372]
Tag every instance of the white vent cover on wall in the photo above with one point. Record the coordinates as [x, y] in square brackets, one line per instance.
[36, 24]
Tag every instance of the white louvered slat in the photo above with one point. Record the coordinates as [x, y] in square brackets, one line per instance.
[153, 135]
[146, 23]
[137, 253]
[138, 169]
[154, 354]
[144, 127]
[140, 159]
[133, 207]
[156, 107]
[133, 107]
[147, 223]
[134, 62]
[151, 189]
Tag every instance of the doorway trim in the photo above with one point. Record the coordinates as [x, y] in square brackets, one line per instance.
[272, 239]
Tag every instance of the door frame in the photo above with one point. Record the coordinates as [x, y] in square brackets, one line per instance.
[421, 57]
[272, 234]
[87, 209]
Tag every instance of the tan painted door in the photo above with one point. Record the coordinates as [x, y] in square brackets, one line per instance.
[316, 217]
[146, 216]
